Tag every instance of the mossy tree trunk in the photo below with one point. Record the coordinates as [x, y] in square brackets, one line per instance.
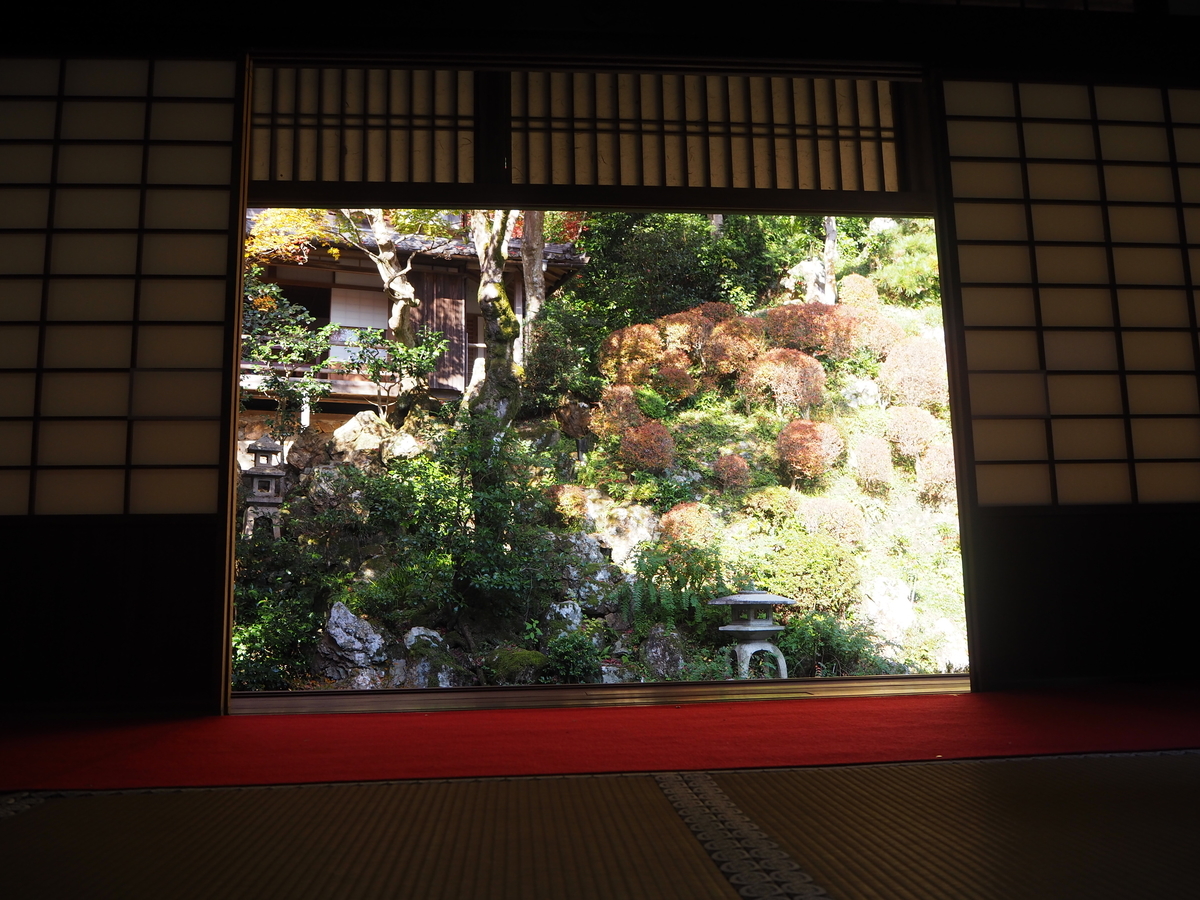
[498, 393]
[491, 403]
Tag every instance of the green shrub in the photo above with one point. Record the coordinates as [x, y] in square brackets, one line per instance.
[816, 643]
[572, 658]
[651, 403]
[672, 584]
[813, 569]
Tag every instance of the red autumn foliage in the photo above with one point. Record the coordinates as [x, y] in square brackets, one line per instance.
[733, 344]
[839, 519]
[808, 449]
[911, 429]
[732, 472]
[688, 523]
[618, 411]
[915, 373]
[685, 332]
[817, 328]
[795, 380]
[873, 463]
[648, 447]
[935, 473]
[629, 355]
[673, 382]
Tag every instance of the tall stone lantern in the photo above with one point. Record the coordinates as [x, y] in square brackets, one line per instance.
[753, 624]
[264, 485]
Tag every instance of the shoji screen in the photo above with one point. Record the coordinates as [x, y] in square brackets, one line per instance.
[118, 193]
[1077, 212]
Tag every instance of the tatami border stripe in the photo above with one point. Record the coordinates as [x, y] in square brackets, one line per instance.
[755, 865]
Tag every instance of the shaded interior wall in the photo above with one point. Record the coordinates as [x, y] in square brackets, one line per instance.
[91, 601]
[1091, 594]
[114, 614]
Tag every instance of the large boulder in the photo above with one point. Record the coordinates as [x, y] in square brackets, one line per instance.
[591, 579]
[618, 527]
[311, 450]
[568, 614]
[355, 654]
[429, 662]
[358, 441]
[662, 654]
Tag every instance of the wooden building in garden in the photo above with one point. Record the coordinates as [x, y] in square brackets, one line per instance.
[346, 290]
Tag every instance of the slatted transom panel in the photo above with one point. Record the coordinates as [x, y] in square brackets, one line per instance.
[346, 123]
[723, 131]
[1077, 212]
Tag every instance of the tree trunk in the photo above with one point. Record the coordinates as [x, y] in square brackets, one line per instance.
[498, 393]
[491, 402]
[533, 253]
[830, 293]
[401, 294]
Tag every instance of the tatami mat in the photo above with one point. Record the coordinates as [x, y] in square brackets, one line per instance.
[605, 837]
[1058, 828]
[1061, 828]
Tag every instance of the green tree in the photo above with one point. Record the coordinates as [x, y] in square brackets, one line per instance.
[285, 351]
[294, 233]
[391, 365]
[642, 266]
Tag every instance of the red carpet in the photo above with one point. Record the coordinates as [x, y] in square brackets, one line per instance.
[249, 750]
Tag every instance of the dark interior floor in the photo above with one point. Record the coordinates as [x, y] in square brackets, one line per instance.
[1094, 826]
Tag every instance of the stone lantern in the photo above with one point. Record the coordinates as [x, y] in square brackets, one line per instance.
[264, 485]
[753, 624]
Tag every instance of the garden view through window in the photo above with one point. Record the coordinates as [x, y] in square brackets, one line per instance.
[502, 447]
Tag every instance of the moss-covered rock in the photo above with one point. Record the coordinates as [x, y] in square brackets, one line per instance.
[513, 665]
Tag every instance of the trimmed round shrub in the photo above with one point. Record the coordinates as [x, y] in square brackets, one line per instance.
[618, 411]
[935, 473]
[817, 328]
[838, 519]
[733, 344]
[915, 374]
[794, 380]
[732, 472]
[808, 449]
[911, 429]
[688, 523]
[872, 462]
[685, 331]
[858, 291]
[648, 448]
[674, 383]
[880, 334]
[629, 355]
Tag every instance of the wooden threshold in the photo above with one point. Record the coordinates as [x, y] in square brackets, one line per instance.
[575, 695]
